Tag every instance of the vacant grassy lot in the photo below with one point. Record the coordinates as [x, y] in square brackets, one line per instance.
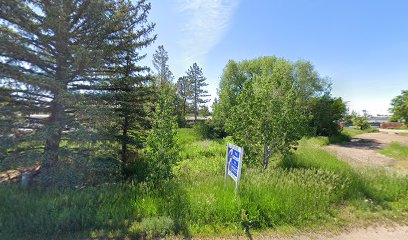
[396, 150]
[309, 188]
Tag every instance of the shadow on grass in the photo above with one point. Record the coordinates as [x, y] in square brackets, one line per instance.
[103, 212]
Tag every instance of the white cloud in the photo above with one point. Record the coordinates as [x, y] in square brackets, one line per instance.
[205, 25]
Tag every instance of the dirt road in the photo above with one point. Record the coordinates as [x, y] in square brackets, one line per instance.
[362, 149]
[370, 233]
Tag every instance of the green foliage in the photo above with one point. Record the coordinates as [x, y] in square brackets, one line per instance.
[92, 212]
[231, 84]
[184, 91]
[73, 63]
[360, 121]
[348, 119]
[162, 151]
[129, 88]
[196, 82]
[271, 112]
[353, 131]
[236, 74]
[327, 113]
[204, 111]
[348, 132]
[380, 187]
[187, 135]
[209, 130]
[152, 227]
[309, 187]
[399, 107]
[164, 76]
[395, 150]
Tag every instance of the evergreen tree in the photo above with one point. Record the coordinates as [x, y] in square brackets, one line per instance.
[184, 92]
[197, 82]
[129, 88]
[160, 63]
[55, 61]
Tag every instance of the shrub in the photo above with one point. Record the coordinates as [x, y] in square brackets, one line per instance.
[209, 130]
[361, 121]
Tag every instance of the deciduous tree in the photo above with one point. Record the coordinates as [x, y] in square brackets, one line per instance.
[271, 112]
[399, 107]
[162, 149]
[327, 111]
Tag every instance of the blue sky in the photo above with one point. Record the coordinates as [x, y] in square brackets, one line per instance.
[362, 46]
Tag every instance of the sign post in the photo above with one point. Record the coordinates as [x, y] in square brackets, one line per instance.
[233, 164]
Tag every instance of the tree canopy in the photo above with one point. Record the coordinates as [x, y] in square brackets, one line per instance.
[264, 104]
[197, 82]
[62, 59]
[399, 107]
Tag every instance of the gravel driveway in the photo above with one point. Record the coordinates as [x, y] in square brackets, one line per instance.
[362, 149]
[368, 233]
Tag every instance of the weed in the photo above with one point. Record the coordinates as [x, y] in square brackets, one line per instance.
[395, 150]
[308, 187]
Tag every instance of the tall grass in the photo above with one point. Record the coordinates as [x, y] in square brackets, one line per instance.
[395, 150]
[306, 188]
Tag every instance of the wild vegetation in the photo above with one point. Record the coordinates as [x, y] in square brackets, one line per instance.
[309, 187]
[400, 107]
[396, 150]
[104, 143]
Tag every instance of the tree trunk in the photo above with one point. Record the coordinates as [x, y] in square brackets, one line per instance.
[51, 150]
[56, 119]
[266, 155]
[125, 142]
[195, 108]
[184, 107]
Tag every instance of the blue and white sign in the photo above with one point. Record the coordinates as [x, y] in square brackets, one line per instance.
[234, 162]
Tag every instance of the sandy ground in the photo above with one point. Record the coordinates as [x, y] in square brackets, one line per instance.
[362, 149]
[370, 233]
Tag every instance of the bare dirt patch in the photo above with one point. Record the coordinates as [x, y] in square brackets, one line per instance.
[362, 149]
[14, 175]
[370, 233]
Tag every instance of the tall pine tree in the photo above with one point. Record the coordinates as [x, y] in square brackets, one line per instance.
[197, 82]
[184, 92]
[160, 62]
[129, 88]
[55, 60]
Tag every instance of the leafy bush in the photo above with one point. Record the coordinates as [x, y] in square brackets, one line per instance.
[327, 113]
[399, 107]
[209, 130]
[361, 121]
[162, 149]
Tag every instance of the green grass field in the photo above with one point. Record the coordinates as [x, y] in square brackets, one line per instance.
[396, 150]
[309, 188]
